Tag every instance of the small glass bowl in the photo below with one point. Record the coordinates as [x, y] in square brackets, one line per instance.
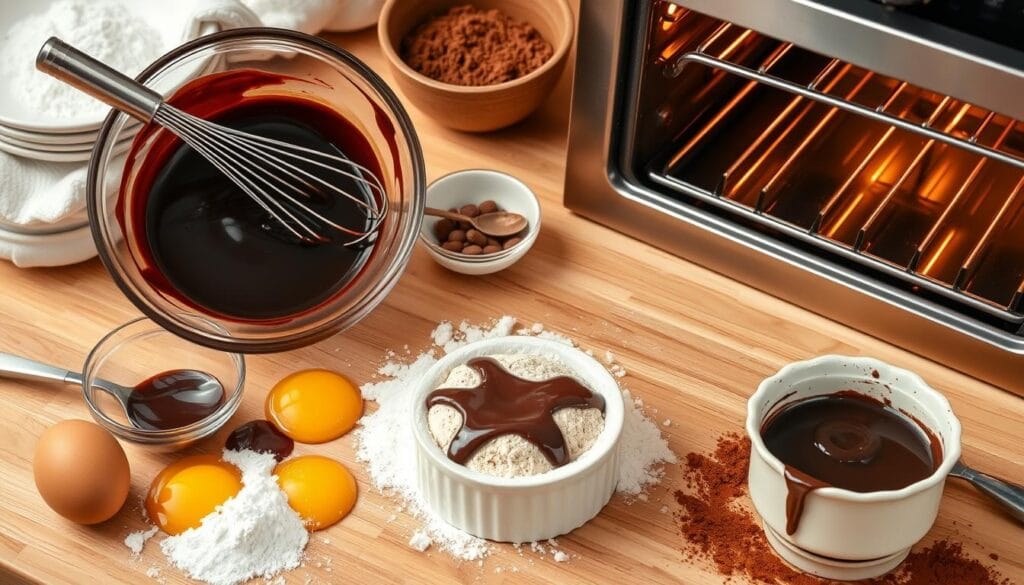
[141, 348]
[327, 74]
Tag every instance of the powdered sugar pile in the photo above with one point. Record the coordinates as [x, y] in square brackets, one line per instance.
[641, 448]
[101, 28]
[385, 441]
[135, 541]
[253, 534]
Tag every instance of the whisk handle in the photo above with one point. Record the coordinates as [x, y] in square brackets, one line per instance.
[68, 64]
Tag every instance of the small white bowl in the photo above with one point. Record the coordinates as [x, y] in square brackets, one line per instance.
[844, 534]
[476, 186]
[520, 509]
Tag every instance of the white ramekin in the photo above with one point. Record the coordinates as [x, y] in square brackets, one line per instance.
[844, 534]
[520, 509]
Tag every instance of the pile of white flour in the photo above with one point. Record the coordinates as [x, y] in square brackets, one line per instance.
[253, 534]
[385, 441]
[101, 28]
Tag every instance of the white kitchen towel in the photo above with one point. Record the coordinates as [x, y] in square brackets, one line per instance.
[312, 16]
[37, 197]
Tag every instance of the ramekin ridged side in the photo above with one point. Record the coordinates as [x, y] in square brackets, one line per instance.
[521, 509]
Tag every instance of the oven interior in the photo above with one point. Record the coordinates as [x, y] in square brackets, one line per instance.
[916, 189]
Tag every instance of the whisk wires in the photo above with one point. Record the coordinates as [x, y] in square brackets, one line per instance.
[271, 172]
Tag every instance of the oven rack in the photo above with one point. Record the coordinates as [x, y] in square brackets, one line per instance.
[817, 91]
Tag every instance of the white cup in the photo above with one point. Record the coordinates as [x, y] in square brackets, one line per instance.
[843, 534]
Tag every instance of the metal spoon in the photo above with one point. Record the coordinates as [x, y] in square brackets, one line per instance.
[186, 396]
[1009, 496]
[497, 224]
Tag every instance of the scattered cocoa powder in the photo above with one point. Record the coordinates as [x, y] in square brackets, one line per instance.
[942, 563]
[719, 526]
[470, 46]
[716, 527]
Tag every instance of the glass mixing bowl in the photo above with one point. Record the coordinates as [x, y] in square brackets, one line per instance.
[333, 77]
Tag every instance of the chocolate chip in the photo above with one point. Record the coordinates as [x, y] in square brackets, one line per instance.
[476, 237]
[442, 228]
[510, 242]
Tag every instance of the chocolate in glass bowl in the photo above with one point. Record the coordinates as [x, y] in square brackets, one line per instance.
[203, 240]
[270, 302]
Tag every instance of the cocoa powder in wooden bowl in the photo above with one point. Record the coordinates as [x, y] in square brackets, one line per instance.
[470, 46]
[468, 89]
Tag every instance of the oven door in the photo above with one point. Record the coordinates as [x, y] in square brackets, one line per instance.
[658, 147]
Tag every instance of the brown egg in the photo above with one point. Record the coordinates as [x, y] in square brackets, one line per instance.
[81, 471]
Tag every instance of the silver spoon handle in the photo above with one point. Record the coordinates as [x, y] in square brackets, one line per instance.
[1009, 495]
[12, 366]
[68, 64]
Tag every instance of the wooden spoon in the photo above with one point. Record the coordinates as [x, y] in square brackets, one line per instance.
[498, 224]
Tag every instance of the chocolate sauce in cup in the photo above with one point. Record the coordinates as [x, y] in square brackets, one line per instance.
[849, 457]
[847, 440]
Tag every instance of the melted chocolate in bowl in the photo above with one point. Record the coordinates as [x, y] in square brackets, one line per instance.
[203, 241]
[847, 440]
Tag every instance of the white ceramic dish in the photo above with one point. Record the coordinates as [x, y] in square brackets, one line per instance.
[43, 139]
[521, 509]
[844, 534]
[81, 147]
[60, 156]
[15, 115]
[476, 186]
[47, 245]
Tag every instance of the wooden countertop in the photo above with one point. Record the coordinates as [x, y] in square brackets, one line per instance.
[695, 345]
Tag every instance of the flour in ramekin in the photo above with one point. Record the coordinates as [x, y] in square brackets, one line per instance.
[385, 441]
[511, 455]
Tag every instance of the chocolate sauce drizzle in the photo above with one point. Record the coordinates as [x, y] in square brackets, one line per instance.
[504, 404]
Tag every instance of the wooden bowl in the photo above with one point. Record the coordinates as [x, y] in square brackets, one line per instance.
[478, 108]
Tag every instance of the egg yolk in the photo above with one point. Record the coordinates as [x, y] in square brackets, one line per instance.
[314, 406]
[188, 490]
[320, 490]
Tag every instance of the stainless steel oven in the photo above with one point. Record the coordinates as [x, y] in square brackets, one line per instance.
[862, 160]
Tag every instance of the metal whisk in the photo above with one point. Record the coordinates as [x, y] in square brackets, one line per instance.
[275, 174]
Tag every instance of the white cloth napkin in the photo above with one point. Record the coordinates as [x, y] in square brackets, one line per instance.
[40, 196]
[312, 16]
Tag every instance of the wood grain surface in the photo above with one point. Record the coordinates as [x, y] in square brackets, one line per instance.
[695, 345]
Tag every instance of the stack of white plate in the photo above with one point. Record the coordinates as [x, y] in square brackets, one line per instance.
[46, 140]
